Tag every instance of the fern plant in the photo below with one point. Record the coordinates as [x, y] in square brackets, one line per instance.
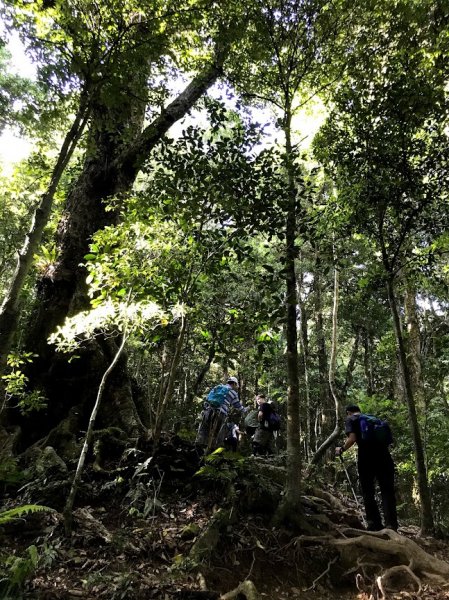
[223, 470]
[21, 511]
[10, 474]
[15, 571]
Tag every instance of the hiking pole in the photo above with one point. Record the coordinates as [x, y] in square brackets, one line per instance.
[352, 490]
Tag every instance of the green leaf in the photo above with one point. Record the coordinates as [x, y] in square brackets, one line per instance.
[20, 511]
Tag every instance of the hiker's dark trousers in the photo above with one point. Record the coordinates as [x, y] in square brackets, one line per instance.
[378, 467]
[212, 429]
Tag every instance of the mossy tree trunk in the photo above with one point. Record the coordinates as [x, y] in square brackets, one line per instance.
[10, 309]
[304, 345]
[118, 147]
[294, 462]
[169, 386]
[325, 400]
[68, 508]
[427, 523]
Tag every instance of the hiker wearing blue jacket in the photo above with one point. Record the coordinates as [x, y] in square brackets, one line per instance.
[374, 463]
[220, 400]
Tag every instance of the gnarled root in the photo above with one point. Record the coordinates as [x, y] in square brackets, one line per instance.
[373, 552]
[246, 590]
[393, 580]
[209, 538]
[388, 545]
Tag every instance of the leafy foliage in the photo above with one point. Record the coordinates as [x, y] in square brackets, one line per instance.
[201, 237]
[16, 570]
[10, 474]
[16, 384]
[21, 511]
[222, 469]
[17, 95]
[143, 497]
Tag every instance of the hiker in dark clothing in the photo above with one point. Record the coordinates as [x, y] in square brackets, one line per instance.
[263, 439]
[252, 420]
[374, 463]
[231, 441]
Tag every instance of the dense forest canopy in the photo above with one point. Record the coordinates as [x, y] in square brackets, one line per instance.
[223, 246]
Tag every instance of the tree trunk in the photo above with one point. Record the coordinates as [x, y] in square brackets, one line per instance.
[414, 346]
[110, 171]
[304, 344]
[293, 479]
[118, 148]
[162, 406]
[121, 410]
[350, 366]
[338, 397]
[331, 376]
[325, 404]
[368, 362]
[427, 524]
[68, 509]
[10, 309]
[203, 372]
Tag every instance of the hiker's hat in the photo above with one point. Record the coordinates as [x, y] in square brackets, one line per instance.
[233, 380]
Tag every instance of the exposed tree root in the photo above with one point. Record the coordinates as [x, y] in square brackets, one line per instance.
[88, 523]
[387, 559]
[209, 538]
[291, 516]
[403, 550]
[331, 562]
[265, 469]
[63, 437]
[331, 500]
[390, 582]
[246, 590]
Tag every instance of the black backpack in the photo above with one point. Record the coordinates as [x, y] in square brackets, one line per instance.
[375, 431]
[272, 422]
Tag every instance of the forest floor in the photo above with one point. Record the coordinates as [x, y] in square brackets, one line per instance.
[136, 542]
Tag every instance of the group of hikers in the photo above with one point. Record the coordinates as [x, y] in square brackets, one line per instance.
[219, 428]
[262, 423]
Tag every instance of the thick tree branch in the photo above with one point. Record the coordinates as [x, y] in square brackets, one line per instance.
[132, 158]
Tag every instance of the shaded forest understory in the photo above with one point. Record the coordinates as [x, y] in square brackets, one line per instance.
[174, 526]
[246, 189]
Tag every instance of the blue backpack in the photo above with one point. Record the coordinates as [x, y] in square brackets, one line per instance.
[375, 431]
[217, 396]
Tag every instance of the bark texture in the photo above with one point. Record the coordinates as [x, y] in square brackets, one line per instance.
[110, 171]
[293, 481]
[118, 146]
[368, 362]
[10, 309]
[68, 509]
[427, 524]
[331, 376]
[325, 400]
[168, 392]
[304, 345]
[414, 346]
